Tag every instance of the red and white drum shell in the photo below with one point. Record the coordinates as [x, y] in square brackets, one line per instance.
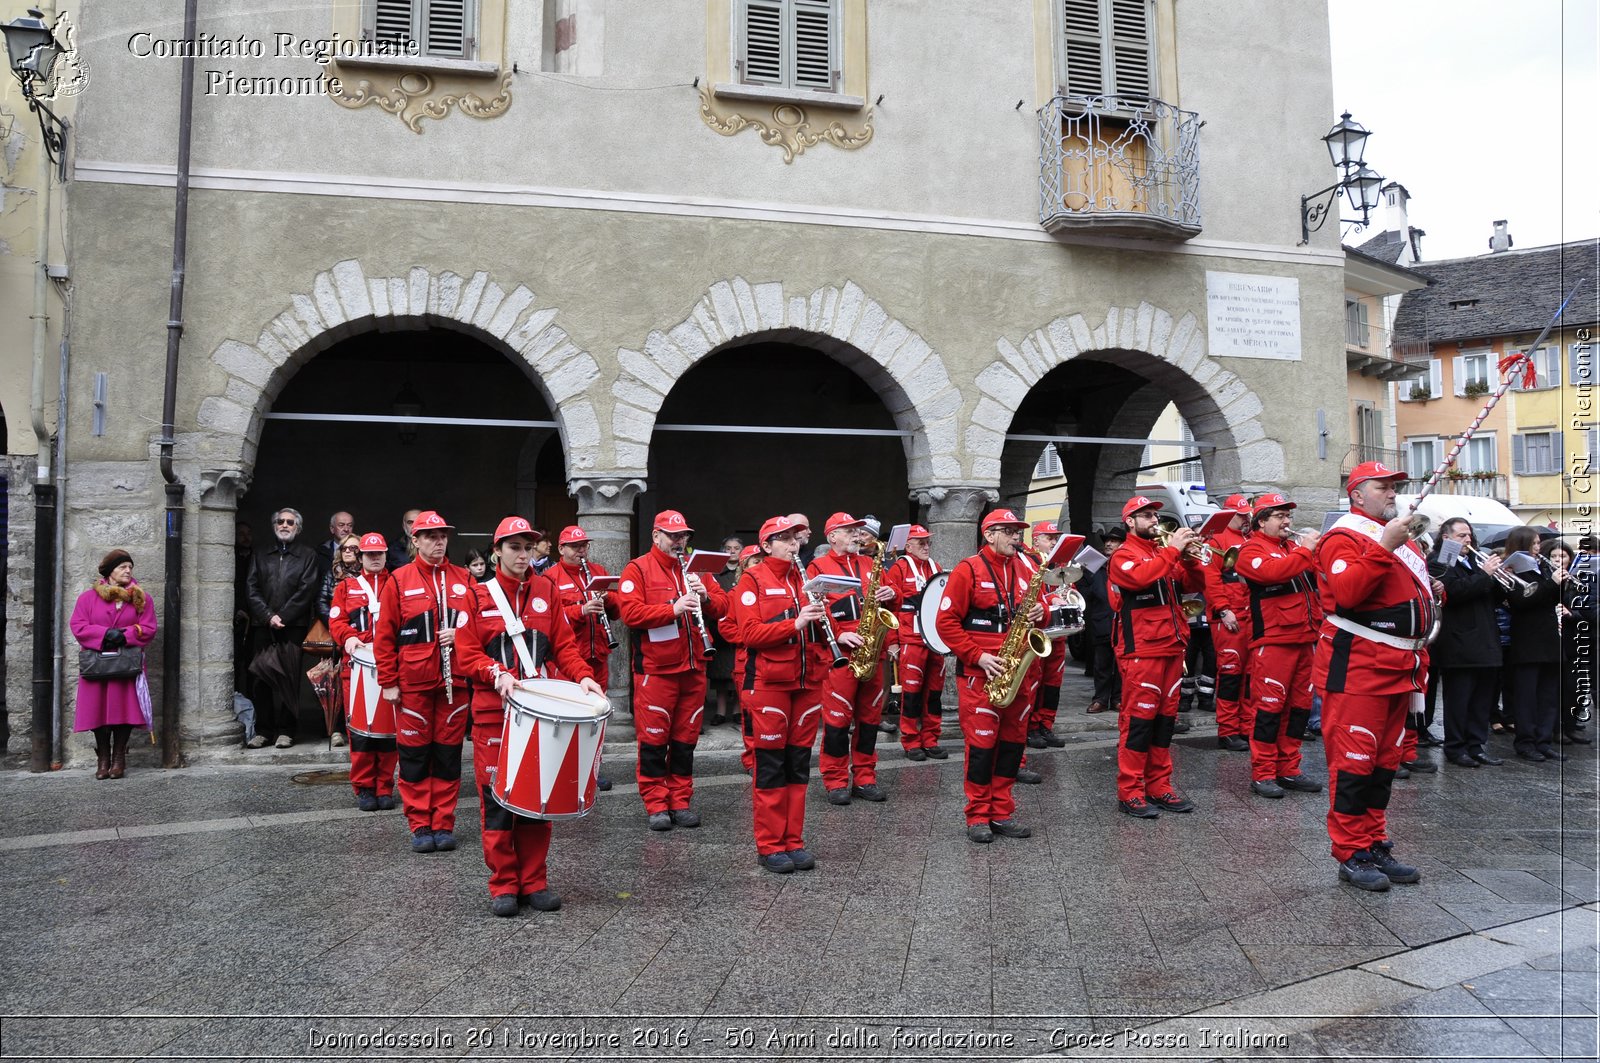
[368, 714]
[550, 749]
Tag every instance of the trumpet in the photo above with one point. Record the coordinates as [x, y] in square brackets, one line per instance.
[1502, 575]
[1197, 549]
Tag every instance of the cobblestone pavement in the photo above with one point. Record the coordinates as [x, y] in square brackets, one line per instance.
[231, 911]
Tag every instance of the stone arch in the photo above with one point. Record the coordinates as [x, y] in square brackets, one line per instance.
[1170, 353]
[843, 322]
[344, 301]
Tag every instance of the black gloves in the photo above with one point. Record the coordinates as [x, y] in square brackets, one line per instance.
[115, 639]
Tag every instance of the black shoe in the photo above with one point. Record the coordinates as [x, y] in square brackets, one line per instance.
[916, 753]
[505, 905]
[1362, 872]
[1029, 777]
[1402, 772]
[1529, 754]
[1139, 809]
[1383, 856]
[367, 801]
[869, 792]
[1233, 743]
[1300, 783]
[444, 841]
[1171, 802]
[1053, 740]
[683, 817]
[546, 900]
[1312, 735]
[1266, 788]
[980, 833]
[659, 821]
[1424, 740]
[422, 841]
[936, 753]
[1463, 760]
[1579, 737]
[1010, 828]
[1551, 753]
[602, 784]
[1422, 767]
[387, 802]
[841, 796]
[1486, 758]
[778, 863]
[802, 860]
[1182, 726]
[1035, 739]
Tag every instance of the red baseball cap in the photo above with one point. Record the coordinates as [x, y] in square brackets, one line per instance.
[1373, 470]
[1136, 503]
[428, 520]
[514, 526]
[1046, 527]
[1272, 500]
[572, 534]
[749, 552]
[672, 522]
[918, 532]
[773, 526]
[1236, 504]
[1001, 518]
[372, 543]
[841, 520]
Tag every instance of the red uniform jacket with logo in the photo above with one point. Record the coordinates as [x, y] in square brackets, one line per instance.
[979, 602]
[664, 642]
[765, 602]
[590, 634]
[1224, 590]
[845, 609]
[1282, 580]
[908, 577]
[1363, 582]
[1145, 585]
[350, 615]
[412, 609]
[484, 648]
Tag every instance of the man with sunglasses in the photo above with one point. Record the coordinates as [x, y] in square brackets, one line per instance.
[668, 610]
[281, 593]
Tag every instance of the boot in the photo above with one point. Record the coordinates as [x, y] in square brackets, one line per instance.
[102, 752]
[119, 752]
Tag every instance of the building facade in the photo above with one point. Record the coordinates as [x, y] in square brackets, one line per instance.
[585, 259]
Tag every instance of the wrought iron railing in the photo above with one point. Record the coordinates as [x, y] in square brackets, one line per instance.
[1473, 485]
[1360, 452]
[1119, 165]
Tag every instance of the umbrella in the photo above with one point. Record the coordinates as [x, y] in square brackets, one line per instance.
[278, 666]
[1497, 538]
[324, 678]
[244, 710]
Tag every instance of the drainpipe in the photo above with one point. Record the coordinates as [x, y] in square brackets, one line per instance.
[172, 611]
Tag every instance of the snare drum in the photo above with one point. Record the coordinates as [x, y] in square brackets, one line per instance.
[365, 708]
[550, 749]
[1063, 620]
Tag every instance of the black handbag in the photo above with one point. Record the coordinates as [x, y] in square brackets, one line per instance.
[123, 663]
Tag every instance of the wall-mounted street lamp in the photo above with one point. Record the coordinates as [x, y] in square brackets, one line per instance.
[407, 403]
[32, 51]
[1347, 145]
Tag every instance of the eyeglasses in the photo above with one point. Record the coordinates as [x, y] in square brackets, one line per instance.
[291, 522]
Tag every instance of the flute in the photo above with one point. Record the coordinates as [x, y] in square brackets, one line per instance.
[706, 642]
[605, 621]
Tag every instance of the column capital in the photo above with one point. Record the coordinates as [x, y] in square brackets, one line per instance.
[221, 488]
[956, 504]
[613, 495]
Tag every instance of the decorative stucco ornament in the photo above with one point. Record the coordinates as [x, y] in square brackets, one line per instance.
[414, 96]
[788, 128]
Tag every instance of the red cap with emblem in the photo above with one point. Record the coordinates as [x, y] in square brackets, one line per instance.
[841, 520]
[515, 526]
[672, 522]
[428, 520]
[1272, 500]
[773, 526]
[1236, 504]
[373, 543]
[1372, 470]
[572, 534]
[918, 532]
[748, 552]
[1136, 503]
[1046, 527]
[1003, 518]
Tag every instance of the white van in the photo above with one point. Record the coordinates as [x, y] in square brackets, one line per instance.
[1487, 516]
[1185, 502]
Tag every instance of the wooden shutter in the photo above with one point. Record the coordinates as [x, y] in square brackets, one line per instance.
[813, 44]
[1593, 435]
[1552, 361]
[1086, 61]
[1108, 47]
[1130, 48]
[448, 31]
[763, 42]
[1458, 369]
[1558, 456]
[391, 21]
[1519, 455]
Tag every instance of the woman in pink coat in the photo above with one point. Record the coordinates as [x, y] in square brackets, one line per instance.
[113, 613]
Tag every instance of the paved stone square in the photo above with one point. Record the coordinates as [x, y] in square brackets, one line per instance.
[227, 910]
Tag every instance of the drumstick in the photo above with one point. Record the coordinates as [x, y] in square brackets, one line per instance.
[588, 701]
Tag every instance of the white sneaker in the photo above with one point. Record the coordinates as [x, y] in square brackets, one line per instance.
[337, 739]
[256, 742]
[284, 742]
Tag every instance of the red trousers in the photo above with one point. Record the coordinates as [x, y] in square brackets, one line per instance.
[1048, 697]
[845, 700]
[921, 683]
[372, 760]
[431, 730]
[747, 726]
[995, 741]
[1280, 702]
[514, 847]
[1233, 709]
[1361, 739]
[1149, 714]
[666, 716]
[784, 723]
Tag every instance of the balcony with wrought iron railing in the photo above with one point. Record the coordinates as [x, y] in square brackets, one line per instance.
[1471, 484]
[1375, 351]
[1360, 452]
[1120, 166]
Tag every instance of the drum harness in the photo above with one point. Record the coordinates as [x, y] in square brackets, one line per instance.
[514, 627]
[372, 600]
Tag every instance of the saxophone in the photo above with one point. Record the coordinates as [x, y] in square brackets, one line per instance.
[1023, 643]
[876, 623]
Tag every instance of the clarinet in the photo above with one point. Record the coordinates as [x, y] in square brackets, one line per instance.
[605, 621]
[840, 658]
[706, 643]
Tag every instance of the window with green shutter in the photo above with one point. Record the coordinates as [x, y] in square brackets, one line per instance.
[442, 28]
[789, 44]
[1108, 48]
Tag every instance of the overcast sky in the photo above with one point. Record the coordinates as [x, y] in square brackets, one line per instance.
[1483, 109]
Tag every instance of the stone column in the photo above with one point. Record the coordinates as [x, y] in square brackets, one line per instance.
[953, 515]
[208, 720]
[605, 512]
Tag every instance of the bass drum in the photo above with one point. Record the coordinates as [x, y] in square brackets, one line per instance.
[928, 614]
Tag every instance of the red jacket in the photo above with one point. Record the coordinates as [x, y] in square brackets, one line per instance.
[1282, 581]
[411, 610]
[350, 615]
[971, 620]
[845, 609]
[1224, 590]
[1364, 583]
[591, 636]
[908, 577]
[766, 600]
[1145, 585]
[663, 642]
[484, 649]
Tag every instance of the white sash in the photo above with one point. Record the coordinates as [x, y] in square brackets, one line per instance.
[514, 627]
[1414, 562]
[372, 597]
